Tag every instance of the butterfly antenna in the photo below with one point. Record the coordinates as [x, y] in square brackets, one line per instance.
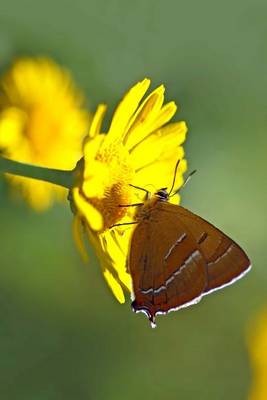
[188, 178]
[185, 182]
[174, 176]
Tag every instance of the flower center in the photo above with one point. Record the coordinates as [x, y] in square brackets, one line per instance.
[109, 205]
[113, 184]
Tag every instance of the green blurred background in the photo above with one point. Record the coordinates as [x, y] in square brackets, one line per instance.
[62, 335]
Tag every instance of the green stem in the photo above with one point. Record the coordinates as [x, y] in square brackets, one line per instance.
[56, 176]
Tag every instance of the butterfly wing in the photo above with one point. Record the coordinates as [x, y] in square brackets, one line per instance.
[176, 257]
[225, 260]
[168, 270]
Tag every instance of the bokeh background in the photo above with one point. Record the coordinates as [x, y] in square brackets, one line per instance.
[62, 335]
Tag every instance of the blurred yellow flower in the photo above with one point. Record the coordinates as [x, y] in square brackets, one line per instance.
[42, 121]
[257, 345]
[138, 149]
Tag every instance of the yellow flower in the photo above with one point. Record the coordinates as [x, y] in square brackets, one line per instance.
[257, 344]
[42, 121]
[140, 149]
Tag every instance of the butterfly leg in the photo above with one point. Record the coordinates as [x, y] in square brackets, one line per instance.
[122, 224]
[131, 205]
[148, 194]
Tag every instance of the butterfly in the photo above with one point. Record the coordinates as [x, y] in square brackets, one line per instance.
[176, 257]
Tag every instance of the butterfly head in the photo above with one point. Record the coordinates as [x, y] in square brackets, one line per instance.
[162, 194]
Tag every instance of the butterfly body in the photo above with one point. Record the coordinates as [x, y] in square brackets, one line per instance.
[177, 257]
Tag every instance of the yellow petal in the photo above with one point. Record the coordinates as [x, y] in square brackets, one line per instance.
[96, 123]
[12, 121]
[155, 147]
[145, 113]
[177, 130]
[96, 179]
[117, 247]
[126, 109]
[165, 171]
[92, 215]
[114, 286]
[91, 148]
[78, 237]
[166, 113]
[151, 124]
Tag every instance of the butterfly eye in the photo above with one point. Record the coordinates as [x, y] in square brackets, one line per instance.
[163, 194]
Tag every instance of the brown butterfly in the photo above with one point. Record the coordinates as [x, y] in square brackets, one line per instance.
[176, 257]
